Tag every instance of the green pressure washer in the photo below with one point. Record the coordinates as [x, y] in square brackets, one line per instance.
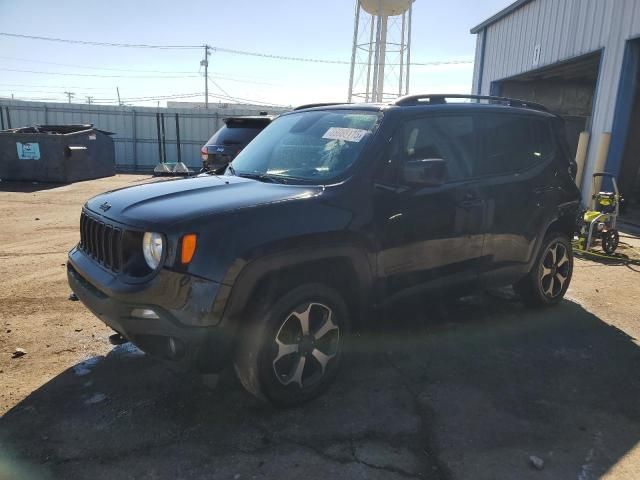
[599, 221]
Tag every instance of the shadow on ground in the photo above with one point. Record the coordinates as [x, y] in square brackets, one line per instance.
[28, 187]
[472, 392]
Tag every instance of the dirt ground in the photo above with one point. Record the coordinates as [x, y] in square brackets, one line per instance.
[466, 389]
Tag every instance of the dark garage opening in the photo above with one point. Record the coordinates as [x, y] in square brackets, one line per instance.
[566, 88]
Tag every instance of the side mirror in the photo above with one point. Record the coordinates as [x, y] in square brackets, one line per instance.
[428, 172]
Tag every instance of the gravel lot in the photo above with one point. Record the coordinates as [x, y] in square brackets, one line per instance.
[460, 390]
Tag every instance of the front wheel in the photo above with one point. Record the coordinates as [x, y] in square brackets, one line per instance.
[550, 276]
[290, 351]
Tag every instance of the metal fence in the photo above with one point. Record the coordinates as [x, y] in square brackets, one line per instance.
[135, 128]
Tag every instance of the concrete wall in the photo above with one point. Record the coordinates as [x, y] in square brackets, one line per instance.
[136, 144]
[561, 30]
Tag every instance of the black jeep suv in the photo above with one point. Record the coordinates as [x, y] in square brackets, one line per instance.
[327, 212]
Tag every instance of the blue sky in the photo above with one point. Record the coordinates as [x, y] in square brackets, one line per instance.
[301, 28]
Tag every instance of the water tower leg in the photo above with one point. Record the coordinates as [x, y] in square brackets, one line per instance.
[408, 51]
[376, 61]
[402, 46]
[383, 58]
[367, 97]
[353, 52]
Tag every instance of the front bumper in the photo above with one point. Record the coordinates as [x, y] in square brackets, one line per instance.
[187, 330]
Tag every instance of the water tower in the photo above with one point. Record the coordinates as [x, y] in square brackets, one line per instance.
[380, 60]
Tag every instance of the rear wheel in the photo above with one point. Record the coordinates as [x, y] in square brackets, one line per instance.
[291, 349]
[550, 276]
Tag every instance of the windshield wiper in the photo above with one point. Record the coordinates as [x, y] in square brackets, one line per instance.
[263, 177]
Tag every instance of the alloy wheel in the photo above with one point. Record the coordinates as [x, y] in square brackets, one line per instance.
[305, 343]
[554, 270]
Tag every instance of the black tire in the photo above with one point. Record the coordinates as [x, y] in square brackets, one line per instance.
[610, 241]
[543, 286]
[266, 375]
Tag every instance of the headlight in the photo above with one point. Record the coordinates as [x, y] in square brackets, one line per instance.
[152, 245]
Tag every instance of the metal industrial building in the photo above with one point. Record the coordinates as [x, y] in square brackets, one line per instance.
[581, 59]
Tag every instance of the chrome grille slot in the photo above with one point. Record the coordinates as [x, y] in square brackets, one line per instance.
[101, 241]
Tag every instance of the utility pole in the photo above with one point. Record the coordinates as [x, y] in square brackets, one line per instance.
[89, 99]
[205, 63]
[70, 95]
[118, 90]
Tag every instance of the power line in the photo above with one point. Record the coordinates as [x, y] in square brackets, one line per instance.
[101, 44]
[86, 67]
[245, 100]
[145, 99]
[321, 60]
[94, 100]
[190, 74]
[194, 75]
[51, 86]
[81, 91]
[224, 92]
[225, 50]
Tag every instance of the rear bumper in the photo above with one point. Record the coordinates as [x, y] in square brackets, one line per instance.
[190, 340]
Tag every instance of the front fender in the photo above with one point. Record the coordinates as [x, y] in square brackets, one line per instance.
[244, 277]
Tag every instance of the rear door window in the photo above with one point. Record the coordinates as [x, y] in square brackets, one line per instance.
[513, 143]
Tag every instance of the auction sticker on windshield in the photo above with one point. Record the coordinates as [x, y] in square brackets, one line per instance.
[347, 134]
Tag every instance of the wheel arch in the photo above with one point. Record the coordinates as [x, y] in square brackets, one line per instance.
[565, 222]
[347, 269]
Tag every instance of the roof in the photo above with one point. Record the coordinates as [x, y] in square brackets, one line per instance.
[500, 15]
[500, 104]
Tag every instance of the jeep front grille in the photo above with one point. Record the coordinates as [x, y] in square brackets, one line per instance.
[101, 241]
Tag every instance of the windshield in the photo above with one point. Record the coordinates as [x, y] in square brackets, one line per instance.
[309, 146]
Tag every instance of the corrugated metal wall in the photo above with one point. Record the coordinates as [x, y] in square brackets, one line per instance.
[563, 29]
[136, 140]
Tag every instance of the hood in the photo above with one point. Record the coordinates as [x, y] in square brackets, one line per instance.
[171, 201]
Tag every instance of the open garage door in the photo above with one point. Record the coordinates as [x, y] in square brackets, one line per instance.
[566, 88]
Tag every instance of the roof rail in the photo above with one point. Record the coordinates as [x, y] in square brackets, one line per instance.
[312, 105]
[441, 98]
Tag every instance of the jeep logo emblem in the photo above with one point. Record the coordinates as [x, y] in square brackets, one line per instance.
[105, 206]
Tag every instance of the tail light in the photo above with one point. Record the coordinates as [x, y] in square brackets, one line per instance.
[204, 153]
